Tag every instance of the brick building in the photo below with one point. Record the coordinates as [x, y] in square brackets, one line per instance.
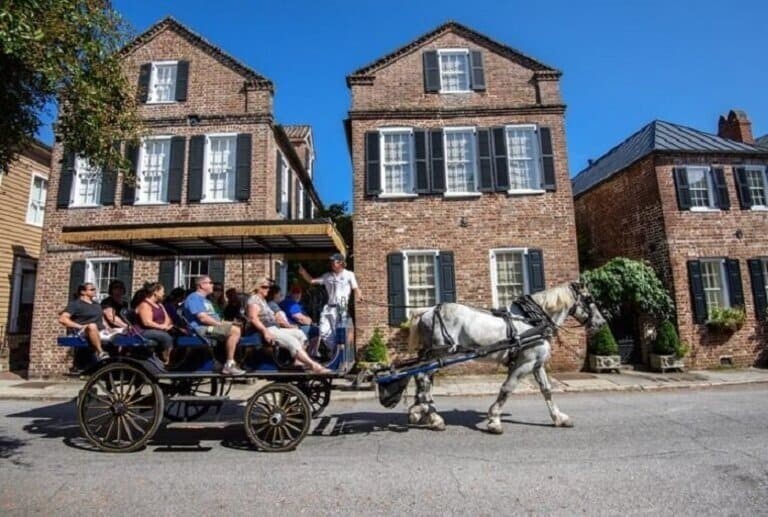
[695, 205]
[460, 180]
[23, 190]
[219, 187]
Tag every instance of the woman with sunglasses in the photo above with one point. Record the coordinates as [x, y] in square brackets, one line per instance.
[262, 318]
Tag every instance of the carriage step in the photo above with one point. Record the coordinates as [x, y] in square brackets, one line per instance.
[197, 400]
[201, 425]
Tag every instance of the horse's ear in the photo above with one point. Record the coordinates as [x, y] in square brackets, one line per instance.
[577, 286]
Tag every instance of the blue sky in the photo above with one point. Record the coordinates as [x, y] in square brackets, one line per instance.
[624, 63]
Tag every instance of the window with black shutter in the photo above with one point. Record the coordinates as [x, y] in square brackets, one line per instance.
[752, 186]
[64, 194]
[431, 72]
[372, 164]
[195, 169]
[129, 179]
[758, 271]
[700, 187]
[176, 168]
[548, 181]
[419, 279]
[182, 80]
[515, 272]
[243, 167]
[478, 74]
[714, 282]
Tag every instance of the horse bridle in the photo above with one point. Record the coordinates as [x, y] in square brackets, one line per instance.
[586, 301]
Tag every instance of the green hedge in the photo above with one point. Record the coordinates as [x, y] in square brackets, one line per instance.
[603, 342]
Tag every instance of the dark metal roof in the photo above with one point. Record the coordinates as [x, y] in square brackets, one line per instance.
[656, 136]
[762, 142]
[296, 131]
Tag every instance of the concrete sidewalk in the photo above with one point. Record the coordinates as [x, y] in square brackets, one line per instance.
[12, 387]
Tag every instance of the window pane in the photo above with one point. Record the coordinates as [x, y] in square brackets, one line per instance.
[755, 181]
[221, 169]
[421, 280]
[713, 284]
[164, 86]
[152, 182]
[396, 162]
[460, 161]
[103, 273]
[522, 149]
[510, 279]
[286, 174]
[87, 184]
[698, 184]
[190, 269]
[454, 71]
[37, 201]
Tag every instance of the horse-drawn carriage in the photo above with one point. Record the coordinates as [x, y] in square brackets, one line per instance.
[127, 396]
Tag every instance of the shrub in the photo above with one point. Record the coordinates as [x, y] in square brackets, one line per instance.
[667, 341]
[730, 319]
[603, 342]
[376, 351]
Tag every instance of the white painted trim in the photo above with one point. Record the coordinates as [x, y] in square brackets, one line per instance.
[73, 192]
[495, 277]
[153, 80]
[473, 143]
[455, 195]
[177, 277]
[397, 196]
[43, 177]
[536, 159]
[411, 163]
[435, 254]
[725, 287]
[525, 191]
[139, 168]
[711, 192]
[463, 51]
[207, 165]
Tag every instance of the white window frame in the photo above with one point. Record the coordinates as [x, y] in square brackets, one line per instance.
[495, 276]
[536, 160]
[411, 164]
[406, 284]
[285, 177]
[41, 208]
[153, 82]
[178, 275]
[762, 170]
[140, 168]
[300, 208]
[463, 51]
[724, 286]
[80, 167]
[711, 192]
[90, 273]
[281, 276]
[473, 161]
[206, 170]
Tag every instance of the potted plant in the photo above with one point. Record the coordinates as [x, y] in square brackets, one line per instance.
[376, 353]
[668, 351]
[603, 351]
[726, 319]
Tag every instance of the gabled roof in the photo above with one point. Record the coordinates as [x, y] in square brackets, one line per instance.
[762, 142]
[656, 136]
[296, 131]
[463, 31]
[200, 42]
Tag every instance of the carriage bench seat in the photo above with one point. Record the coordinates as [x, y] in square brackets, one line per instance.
[124, 340]
[72, 341]
[252, 340]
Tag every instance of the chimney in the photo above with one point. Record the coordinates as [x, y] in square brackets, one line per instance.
[736, 127]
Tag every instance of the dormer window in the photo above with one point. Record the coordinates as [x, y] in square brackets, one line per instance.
[162, 84]
[454, 70]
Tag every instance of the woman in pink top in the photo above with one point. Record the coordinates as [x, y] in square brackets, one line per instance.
[154, 320]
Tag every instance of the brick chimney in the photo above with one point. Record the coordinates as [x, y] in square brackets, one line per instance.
[736, 127]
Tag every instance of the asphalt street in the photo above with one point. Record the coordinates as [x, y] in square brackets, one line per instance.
[680, 452]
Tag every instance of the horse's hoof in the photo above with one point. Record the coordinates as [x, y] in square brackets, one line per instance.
[436, 422]
[566, 422]
[495, 428]
[415, 417]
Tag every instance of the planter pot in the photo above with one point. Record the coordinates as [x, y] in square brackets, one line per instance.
[662, 363]
[602, 363]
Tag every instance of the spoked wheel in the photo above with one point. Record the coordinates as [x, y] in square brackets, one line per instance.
[120, 408]
[318, 392]
[277, 417]
[186, 410]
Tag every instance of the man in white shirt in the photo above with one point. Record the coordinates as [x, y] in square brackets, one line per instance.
[339, 283]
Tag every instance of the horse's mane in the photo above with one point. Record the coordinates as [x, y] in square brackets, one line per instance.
[555, 299]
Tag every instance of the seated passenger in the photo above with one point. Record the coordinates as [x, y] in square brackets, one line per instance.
[233, 311]
[203, 319]
[217, 299]
[297, 315]
[262, 318]
[154, 321]
[84, 317]
[274, 297]
[172, 303]
[114, 305]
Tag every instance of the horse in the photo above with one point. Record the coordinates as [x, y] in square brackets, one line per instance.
[451, 327]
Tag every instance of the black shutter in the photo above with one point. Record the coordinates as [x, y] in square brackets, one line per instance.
[437, 161]
[742, 185]
[735, 289]
[243, 167]
[145, 71]
[372, 164]
[683, 192]
[698, 300]
[307, 205]
[76, 276]
[478, 75]
[167, 274]
[757, 279]
[501, 167]
[130, 179]
[396, 289]
[447, 277]
[289, 212]
[547, 159]
[721, 189]
[109, 182]
[65, 180]
[278, 182]
[216, 270]
[307, 157]
[195, 169]
[485, 160]
[125, 274]
[431, 72]
[536, 270]
[182, 79]
[176, 168]
[421, 156]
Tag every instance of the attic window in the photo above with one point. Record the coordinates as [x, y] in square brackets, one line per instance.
[162, 85]
[454, 70]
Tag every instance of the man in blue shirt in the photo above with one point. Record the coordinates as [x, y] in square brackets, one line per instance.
[204, 320]
[296, 314]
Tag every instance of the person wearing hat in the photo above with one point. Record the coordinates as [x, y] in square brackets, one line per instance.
[339, 283]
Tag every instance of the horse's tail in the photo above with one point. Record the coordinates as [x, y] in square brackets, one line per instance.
[414, 334]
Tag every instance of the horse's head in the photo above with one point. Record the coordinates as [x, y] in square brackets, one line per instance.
[584, 310]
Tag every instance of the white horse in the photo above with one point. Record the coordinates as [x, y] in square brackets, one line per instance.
[449, 328]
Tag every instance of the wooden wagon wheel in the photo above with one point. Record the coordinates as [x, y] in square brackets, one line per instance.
[120, 408]
[277, 417]
[187, 411]
[318, 392]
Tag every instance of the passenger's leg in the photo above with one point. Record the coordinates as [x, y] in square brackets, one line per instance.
[93, 337]
[233, 338]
